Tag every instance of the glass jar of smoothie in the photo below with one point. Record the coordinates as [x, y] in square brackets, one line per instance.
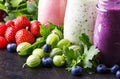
[107, 31]
[51, 11]
[80, 18]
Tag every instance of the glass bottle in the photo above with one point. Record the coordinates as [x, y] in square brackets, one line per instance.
[107, 31]
[51, 11]
[80, 18]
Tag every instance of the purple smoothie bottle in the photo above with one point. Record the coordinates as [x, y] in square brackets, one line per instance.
[107, 31]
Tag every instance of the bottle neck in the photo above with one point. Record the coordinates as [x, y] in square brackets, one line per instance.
[109, 4]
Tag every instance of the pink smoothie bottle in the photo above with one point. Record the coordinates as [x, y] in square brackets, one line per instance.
[107, 31]
[51, 11]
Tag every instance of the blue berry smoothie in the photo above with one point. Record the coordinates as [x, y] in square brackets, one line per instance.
[107, 33]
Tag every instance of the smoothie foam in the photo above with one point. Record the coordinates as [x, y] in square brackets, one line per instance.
[80, 18]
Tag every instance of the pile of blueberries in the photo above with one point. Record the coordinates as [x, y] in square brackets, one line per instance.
[115, 69]
[76, 70]
[101, 68]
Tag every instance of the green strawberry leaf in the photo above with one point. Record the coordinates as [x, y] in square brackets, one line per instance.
[72, 57]
[39, 43]
[15, 3]
[70, 53]
[9, 17]
[86, 59]
[85, 40]
[53, 26]
[2, 6]
[44, 31]
[1, 0]
[31, 7]
[20, 7]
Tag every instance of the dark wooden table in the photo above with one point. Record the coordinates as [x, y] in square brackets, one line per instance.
[11, 68]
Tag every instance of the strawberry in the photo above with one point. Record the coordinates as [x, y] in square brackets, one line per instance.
[3, 42]
[9, 23]
[3, 28]
[10, 34]
[21, 22]
[35, 28]
[24, 35]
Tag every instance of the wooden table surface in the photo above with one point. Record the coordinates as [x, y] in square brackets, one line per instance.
[11, 68]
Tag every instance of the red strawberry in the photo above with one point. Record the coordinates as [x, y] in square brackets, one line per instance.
[9, 23]
[24, 35]
[3, 28]
[35, 28]
[3, 42]
[10, 34]
[21, 22]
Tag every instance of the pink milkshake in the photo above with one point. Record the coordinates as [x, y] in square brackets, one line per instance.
[51, 11]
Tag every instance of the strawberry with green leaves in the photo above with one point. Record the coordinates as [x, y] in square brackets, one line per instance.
[3, 42]
[35, 28]
[10, 34]
[21, 22]
[24, 35]
[3, 28]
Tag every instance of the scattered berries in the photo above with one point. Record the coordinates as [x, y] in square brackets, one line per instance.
[76, 70]
[14, 32]
[101, 68]
[59, 60]
[24, 35]
[114, 68]
[47, 61]
[3, 42]
[11, 47]
[118, 74]
[47, 48]
[33, 61]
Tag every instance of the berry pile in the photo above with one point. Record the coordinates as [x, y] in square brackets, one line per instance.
[47, 47]
[49, 54]
[19, 30]
[115, 69]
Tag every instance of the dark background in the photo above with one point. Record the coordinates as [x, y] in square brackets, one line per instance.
[11, 68]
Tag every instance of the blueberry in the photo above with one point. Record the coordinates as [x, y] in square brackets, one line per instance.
[11, 47]
[47, 61]
[101, 68]
[118, 74]
[76, 70]
[47, 48]
[114, 68]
